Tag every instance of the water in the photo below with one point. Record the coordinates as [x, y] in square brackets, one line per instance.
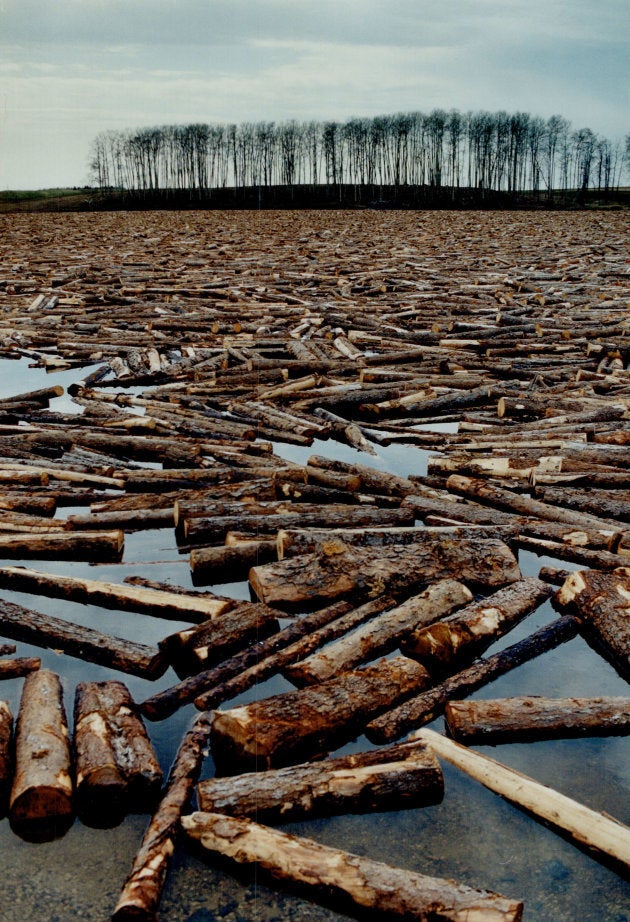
[473, 836]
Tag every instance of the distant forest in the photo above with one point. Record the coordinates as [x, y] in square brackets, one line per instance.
[444, 155]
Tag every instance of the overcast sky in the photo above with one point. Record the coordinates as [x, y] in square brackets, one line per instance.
[72, 68]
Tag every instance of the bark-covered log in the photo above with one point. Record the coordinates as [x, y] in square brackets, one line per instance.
[599, 834]
[601, 601]
[286, 728]
[527, 717]
[352, 881]
[142, 891]
[228, 563]
[381, 634]
[42, 630]
[292, 542]
[201, 646]
[40, 806]
[446, 644]
[6, 755]
[341, 569]
[64, 545]
[116, 767]
[384, 779]
[19, 666]
[425, 707]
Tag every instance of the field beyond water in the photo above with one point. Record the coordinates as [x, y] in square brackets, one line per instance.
[397, 360]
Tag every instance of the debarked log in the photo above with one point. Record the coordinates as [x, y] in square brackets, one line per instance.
[341, 569]
[6, 755]
[458, 638]
[63, 545]
[601, 602]
[228, 563]
[425, 707]
[21, 623]
[529, 717]
[141, 893]
[393, 778]
[40, 806]
[381, 634]
[601, 835]
[351, 880]
[116, 767]
[293, 726]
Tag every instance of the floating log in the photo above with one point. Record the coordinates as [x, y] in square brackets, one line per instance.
[40, 806]
[64, 545]
[601, 602]
[381, 634]
[426, 706]
[451, 641]
[342, 569]
[352, 881]
[6, 755]
[42, 630]
[116, 767]
[601, 835]
[528, 717]
[393, 778]
[197, 648]
[229, 563]
[142, 891]
[286, 728]
[19, 666]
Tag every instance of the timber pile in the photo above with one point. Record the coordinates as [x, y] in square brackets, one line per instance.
[194, 371]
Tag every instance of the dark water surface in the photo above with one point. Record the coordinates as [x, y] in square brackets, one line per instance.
[473, 836]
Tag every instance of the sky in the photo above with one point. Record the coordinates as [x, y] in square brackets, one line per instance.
[70, 69]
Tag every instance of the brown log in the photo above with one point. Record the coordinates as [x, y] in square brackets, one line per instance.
[341, 569]
[40, 806]
[6, 649]
[443, 646]
[553, 575]
[19, 666]
[425, 707]
[107, 545]
[142, 891]
[393, 778]
[293, 726]
[116, 767]
[196, 648]
[21, 623]
[29, 503]
[230, 563]
[601, 601]
[566, 550]
[126, 520]
[381, 634]
[352, 881]
[527, 718]
[6, 755]
[610, 504]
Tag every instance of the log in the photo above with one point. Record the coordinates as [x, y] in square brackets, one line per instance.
[159, 603]
[341, 569]
[601, 835]
[425, 707]
[528, 717]
[601, 601]
[20, 666]
[349, 881]
[294, 726]
[60, 545]
[450, 642]
[141, 893]
[393, 778]
[6, 755]
[40, 805]
[21, 623]
[381, 634]
[291, 542]
[116, 767]
[193, 649]
[230, 563]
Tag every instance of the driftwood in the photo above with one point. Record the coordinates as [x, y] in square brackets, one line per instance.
[40, 806]
[599, 834]
[353, 881]
[295, 725]
[116, 767]
[141, 893]
[6, 755]
[526, 718]
[393, 778]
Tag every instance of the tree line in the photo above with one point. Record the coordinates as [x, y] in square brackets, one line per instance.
[514, 153]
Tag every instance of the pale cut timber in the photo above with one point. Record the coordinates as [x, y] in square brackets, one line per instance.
[393, 778]
[353, 881]
[528, 717]
[599, 833]
[381, 634]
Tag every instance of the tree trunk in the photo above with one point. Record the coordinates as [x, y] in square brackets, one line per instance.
[352, 881]
[63, 545]
[40, 805]
[6, 756]
[20, 666]
[286, 728]
[527, 718]
[227, 564]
